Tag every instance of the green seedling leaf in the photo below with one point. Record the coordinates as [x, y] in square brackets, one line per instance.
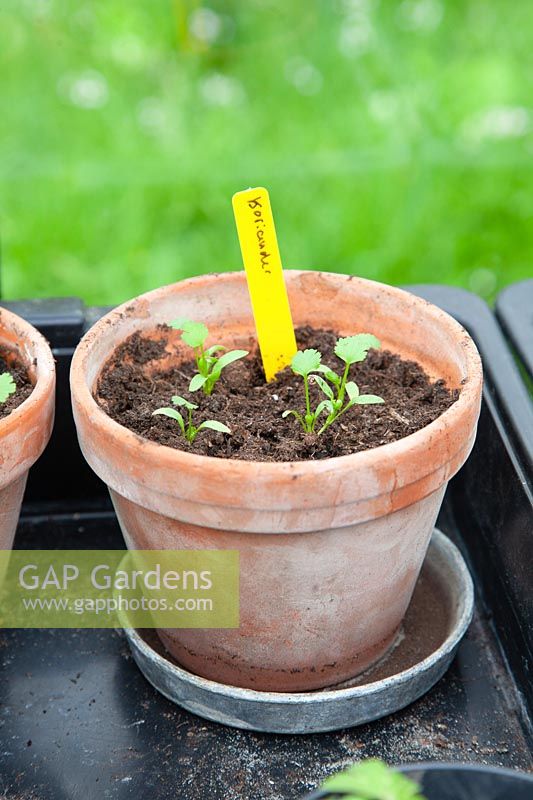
[226, 359]
[352, 390]
[326, 388]
[7, 386]
[173, 414]
[181, 401]
[208, 364]
[297, 415]
[180, 324]
[216, 348]
[306, 361]
[194, 333]
[329, 374]
[325, 405]
[197, 382]
[352, 349]
[369, 399]
[187, 427]
[214, 426]
[372, 780]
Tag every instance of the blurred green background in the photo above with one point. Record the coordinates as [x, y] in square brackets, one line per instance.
[396, 139]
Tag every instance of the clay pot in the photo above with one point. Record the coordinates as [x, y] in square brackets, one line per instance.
[330, 550]
[25, 432]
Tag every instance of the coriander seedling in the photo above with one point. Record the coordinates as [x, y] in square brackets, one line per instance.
[187, 428]
[7, 386]
[351, 350]
[307, 363]
[209, 365]
[371, 780]
[303, 363]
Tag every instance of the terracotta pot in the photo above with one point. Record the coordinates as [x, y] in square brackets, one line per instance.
[25, 432]
[330, 550]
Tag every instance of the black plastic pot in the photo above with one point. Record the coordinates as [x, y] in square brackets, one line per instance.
[470, 782]
[462, 782]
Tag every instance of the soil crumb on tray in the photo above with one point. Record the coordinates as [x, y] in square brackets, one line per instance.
[9, 363]
[131, 387]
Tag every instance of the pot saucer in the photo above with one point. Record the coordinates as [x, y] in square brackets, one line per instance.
[437, 619]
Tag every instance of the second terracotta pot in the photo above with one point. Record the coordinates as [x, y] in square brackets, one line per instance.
[24, 433]
[330, 550]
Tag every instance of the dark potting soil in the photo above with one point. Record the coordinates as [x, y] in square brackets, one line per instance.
[131, 387]
[9, 363]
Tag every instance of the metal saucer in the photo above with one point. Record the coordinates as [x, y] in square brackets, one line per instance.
[437, 619]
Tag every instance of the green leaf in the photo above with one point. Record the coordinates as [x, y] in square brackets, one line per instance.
[329, 374]
[197, 382]
[226, 359]
[7, 386]
[173, 414]
[216, 348]
[306, 361]
[325, 405]
[181, 401]
[352, 349]
[369, 399]
[179, 324]
[203, 362]
[294, 414]
[352, 390]
[326, 388]
[214, 426]
[372, 780]
[194, 333]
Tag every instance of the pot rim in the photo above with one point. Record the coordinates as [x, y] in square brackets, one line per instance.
[26, 333]
[465, 766]
[171, 458]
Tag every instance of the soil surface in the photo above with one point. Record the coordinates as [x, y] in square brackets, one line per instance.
[131, 387]
[9, 363]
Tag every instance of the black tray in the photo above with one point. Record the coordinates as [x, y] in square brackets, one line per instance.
[78, 720]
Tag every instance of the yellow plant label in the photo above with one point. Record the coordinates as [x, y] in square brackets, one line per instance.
[264, 273]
